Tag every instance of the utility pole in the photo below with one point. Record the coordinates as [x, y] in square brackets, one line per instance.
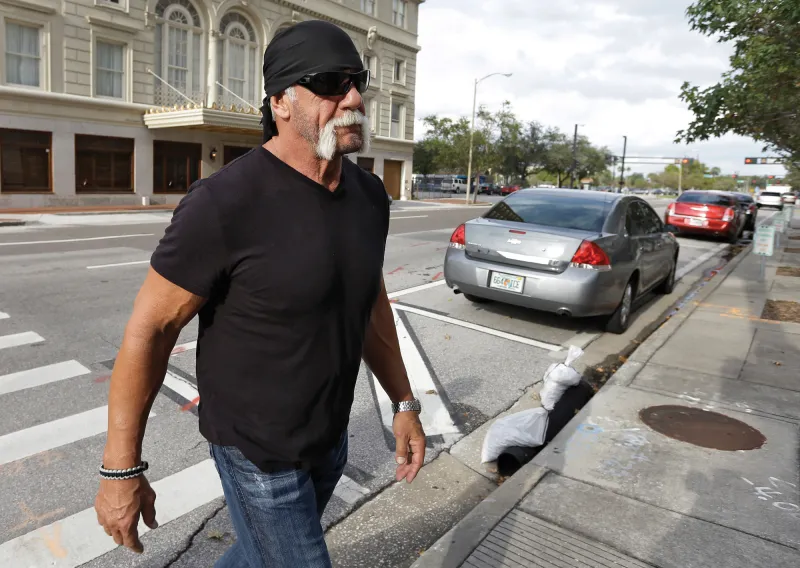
[574, 159]
[622, 172]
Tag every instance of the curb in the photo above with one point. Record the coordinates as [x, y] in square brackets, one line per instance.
[639, 358]
[455, 546]
[452, 549]
[12, 222]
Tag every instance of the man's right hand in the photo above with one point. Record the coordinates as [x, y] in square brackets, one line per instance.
[118, 505]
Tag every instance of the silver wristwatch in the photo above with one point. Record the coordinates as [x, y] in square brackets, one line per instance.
[406, 405]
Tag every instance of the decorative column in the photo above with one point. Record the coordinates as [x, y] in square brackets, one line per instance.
[211, 94]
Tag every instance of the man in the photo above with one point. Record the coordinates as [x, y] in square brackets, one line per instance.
[281, 255]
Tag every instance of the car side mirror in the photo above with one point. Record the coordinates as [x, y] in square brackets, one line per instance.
[671, 229]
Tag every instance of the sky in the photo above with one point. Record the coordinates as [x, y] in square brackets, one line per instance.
[615, 67]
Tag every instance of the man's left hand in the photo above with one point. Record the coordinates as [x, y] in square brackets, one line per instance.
[410, 441]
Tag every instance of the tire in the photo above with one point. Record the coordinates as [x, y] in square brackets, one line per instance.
[476, 299]
[668, 284]
[733, 238]
[620, 319]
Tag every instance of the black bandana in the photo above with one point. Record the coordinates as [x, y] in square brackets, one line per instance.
[308, 47]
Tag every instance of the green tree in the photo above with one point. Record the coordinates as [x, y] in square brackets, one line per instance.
[760, 94]
[558, 154]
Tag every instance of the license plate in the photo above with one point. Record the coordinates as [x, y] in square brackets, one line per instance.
[696, 222]
[507, 282]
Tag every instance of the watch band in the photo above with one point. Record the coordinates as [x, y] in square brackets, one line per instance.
[406, 406]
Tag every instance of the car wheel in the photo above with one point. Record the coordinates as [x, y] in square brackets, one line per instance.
[733, 238]
[619, 320]
[476, 299]
[668, 284]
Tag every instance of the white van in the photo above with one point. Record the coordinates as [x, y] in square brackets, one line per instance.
[773, 196]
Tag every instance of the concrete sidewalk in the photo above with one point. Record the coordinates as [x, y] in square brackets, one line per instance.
[712, 483]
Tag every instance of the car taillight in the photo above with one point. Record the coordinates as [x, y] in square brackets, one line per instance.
[671, 209]
[589, 255]
[458, 239]
[728, 216]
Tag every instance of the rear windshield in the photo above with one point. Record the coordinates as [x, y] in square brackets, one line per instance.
[770, 194]
[705, 198]
[562, 211]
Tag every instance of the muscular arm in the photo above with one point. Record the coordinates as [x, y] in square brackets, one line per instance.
[382, 350]
[160, 311]
[382, 356]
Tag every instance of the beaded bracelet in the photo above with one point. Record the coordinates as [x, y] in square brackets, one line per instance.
[129, 473]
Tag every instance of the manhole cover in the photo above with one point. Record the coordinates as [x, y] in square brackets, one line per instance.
[702, 428]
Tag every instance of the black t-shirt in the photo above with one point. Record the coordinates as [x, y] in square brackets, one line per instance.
[291, 271]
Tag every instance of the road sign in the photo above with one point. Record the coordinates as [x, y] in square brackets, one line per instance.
[764, 241]
[780, 222]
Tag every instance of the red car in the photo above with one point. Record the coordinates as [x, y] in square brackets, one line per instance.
[509, 189]
[713, 213]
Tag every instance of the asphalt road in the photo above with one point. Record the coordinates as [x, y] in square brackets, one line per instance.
[66, 294]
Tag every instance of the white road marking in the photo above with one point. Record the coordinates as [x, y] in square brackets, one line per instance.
[119, 264]
[435, 417]
[17, 339]
[182, 348]
[411, 217]
[4, 315]
[79, 538]
[349, 491]
[41, 376]
[700, 260]
[181, 386]
[78, 240]
[31, 441]
[420, 288]
[475, 327]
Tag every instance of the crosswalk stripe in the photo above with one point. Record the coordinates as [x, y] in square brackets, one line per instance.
[180, 386]
[17, 339]
[3, 316]
[349, 491]
[78, 539]
[184, 347]
[41, 376]
[435, 417]
[30, 441]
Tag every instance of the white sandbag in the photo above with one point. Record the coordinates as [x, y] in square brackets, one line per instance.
[526, 428]
[559, 377]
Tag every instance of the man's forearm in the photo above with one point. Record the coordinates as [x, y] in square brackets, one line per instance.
[138, 374]
[382, 351]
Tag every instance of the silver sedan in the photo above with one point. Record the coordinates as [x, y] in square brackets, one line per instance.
[574, 253]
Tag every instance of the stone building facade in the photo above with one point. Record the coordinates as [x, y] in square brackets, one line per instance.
[111, 102]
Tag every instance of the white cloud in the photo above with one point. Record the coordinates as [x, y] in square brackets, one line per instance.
[613, 66]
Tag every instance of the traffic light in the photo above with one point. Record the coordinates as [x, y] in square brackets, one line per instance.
[770, 177]
[750, 161]
[687, 161]
[734, 176]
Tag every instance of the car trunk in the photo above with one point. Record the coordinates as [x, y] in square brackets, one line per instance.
[700, 210]
[548, 249]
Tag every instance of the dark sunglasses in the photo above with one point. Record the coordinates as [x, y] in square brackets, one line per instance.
[335, 83]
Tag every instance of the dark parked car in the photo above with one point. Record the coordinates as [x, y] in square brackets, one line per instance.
[714, 213]
[750, 209]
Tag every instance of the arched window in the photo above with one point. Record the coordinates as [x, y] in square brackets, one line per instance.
[237, 58]
[178, 51]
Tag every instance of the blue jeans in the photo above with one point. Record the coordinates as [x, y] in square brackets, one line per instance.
[277, 515]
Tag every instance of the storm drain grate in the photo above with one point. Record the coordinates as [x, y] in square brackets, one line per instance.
[523, 541]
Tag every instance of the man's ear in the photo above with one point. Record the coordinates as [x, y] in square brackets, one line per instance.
[281, 106]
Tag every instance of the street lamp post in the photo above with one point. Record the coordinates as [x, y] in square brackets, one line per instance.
[622, 173]
[472, 127]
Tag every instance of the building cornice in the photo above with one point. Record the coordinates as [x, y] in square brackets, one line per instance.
[32, 5]
[203, 117]
[102, 22]
[346, 25]
[28, 94]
